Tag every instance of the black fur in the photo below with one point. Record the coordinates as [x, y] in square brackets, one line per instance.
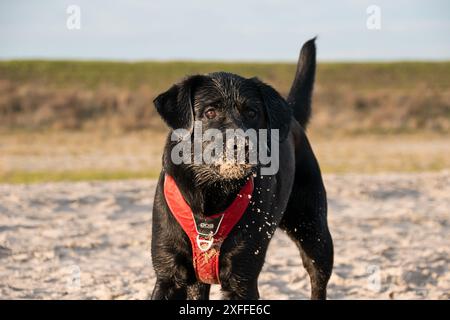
[175, 105]
[293, 199]
[278, 112]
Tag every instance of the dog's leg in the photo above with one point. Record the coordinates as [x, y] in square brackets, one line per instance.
[198, 291]
[238, 290]
[306, 225]
[168, 290]
[316, 250]
[240, 270]
[305, 221]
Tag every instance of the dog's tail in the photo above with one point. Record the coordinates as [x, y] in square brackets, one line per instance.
[301, 91]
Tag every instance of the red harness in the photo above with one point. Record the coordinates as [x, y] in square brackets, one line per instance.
[206, 234]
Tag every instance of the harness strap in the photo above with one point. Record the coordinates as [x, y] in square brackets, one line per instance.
[206, 234]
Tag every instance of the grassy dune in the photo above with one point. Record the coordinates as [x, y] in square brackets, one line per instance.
[158, 75]
[71, 120]
[349, 97]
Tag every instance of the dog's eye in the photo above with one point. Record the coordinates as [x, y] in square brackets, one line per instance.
[210, 113]
[250, 114]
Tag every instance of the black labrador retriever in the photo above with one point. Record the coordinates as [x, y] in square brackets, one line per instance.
[293, 198]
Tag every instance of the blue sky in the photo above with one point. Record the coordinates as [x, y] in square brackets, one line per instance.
[249, 30]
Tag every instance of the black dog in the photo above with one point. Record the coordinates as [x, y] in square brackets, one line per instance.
[293, 199]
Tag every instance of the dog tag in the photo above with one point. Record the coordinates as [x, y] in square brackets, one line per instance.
[208, 226]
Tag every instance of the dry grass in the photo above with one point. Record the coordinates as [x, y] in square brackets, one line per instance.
[378, 154]
[349, 98]
[73, 156]
[68, 120]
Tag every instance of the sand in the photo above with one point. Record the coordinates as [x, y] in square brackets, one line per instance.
[91, 240]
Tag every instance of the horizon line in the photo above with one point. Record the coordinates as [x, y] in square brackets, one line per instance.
[224, 61]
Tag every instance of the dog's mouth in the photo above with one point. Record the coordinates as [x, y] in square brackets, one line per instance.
[222, 171]
[238, 166]
[230, 170]
[222, 164]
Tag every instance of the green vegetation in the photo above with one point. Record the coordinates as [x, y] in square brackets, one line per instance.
[19, 177]
[367, 117]
[158, 75]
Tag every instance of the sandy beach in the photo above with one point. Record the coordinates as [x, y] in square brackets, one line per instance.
[91, 240]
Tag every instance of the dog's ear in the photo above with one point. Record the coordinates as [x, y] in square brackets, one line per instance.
[278, 112]
[175, 105]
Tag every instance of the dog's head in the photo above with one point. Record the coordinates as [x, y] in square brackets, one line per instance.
[223, 101]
